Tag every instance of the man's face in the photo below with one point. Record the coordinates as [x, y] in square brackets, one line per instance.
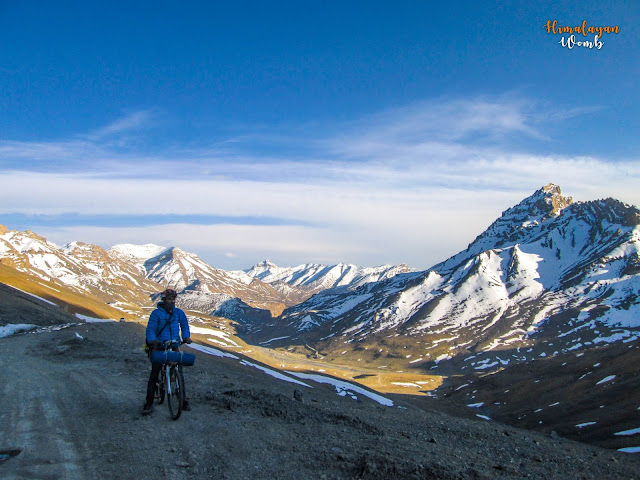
[169, 301]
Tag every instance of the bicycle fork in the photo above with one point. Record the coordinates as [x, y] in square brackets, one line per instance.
[167, 372]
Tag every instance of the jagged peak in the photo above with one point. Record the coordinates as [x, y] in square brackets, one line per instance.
[77, 244]
[262, 268]
[34, 235]
[83, 247]
[555, 198]
[516, 222]
[552, 188]
[613, 211]
[546, 202]
[266, 263]
[148, 250]
[175, 253]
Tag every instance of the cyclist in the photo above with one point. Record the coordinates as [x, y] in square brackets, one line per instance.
[165, 324]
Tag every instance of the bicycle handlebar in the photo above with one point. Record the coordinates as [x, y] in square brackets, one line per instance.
[166, 344]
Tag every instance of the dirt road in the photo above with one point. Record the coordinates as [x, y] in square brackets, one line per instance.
[71, 400]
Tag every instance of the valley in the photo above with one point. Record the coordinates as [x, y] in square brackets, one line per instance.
[518, 328]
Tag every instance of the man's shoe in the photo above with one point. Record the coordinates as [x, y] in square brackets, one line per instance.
[147, 409]
[185, 406]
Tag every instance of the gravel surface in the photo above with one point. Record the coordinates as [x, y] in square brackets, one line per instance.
[71, 409]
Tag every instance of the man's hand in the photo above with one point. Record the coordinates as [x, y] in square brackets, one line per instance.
[186, 340]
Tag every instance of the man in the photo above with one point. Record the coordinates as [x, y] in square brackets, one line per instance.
[165, 324]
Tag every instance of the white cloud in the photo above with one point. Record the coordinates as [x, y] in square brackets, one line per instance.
[436, 127]
[230, 246]
[364, 222]
[402, 186]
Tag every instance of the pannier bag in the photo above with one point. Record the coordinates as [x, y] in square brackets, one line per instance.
[181, 358]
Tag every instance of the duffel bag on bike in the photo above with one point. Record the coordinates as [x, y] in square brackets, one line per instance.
[181, 358]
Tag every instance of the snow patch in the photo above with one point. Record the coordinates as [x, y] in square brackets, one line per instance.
[606, 379]
[93, 319]
[630, 450]
[633, 431]
[274, 373]
[582, 425]
[343, 387]
[212, 351]
[8, 330]
[36, 296]
[273, 340]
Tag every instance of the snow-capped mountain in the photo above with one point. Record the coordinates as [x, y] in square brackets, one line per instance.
[79, 267]
[297, 284]
[515, 225]
[131, 276]
[136, 254]
[315, 278]
[548, 276]
[547, 300]
[186, 272]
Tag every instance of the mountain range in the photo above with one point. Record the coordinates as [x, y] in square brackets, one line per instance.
[550, 275]
[129, 277]
[549, 291]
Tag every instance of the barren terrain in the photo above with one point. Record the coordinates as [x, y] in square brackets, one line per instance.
[71, 409]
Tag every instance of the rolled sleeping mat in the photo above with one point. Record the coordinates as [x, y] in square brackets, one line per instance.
[181, 358]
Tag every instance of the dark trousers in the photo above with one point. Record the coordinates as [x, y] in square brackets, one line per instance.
[153, 379]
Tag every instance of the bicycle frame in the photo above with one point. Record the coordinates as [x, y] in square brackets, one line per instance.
[166, 373]
[171, 383]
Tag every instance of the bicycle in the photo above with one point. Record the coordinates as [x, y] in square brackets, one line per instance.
[170, 382]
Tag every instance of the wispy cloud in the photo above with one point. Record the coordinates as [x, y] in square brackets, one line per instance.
[412, 184]
[454, 120]
[131, 121]
[97, 151]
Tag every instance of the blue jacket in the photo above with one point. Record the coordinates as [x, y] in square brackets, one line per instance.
[174, 323]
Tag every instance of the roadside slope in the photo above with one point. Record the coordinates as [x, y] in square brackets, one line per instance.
[71, 406]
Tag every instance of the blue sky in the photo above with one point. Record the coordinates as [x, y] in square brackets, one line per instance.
[360, 132]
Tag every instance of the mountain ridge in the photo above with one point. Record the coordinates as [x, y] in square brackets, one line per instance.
[570, 258]
[550, 282]
[133, 275]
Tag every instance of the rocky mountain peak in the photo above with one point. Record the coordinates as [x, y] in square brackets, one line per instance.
[262, 266]
[544, 203]
[615, 211]
[554, 199]
[87, 252]
[263, 270]
[515, 224]
[35, 236]
[83, 247]
[138, 252]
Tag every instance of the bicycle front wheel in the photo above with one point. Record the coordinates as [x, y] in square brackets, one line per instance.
[160, 387]
[175, 394]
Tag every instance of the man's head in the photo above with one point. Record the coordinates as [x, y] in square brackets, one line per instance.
[169, 296]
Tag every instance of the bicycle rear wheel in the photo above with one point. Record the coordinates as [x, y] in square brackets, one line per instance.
[175, 399]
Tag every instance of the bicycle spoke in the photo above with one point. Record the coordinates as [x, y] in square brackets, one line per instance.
[175, 392]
